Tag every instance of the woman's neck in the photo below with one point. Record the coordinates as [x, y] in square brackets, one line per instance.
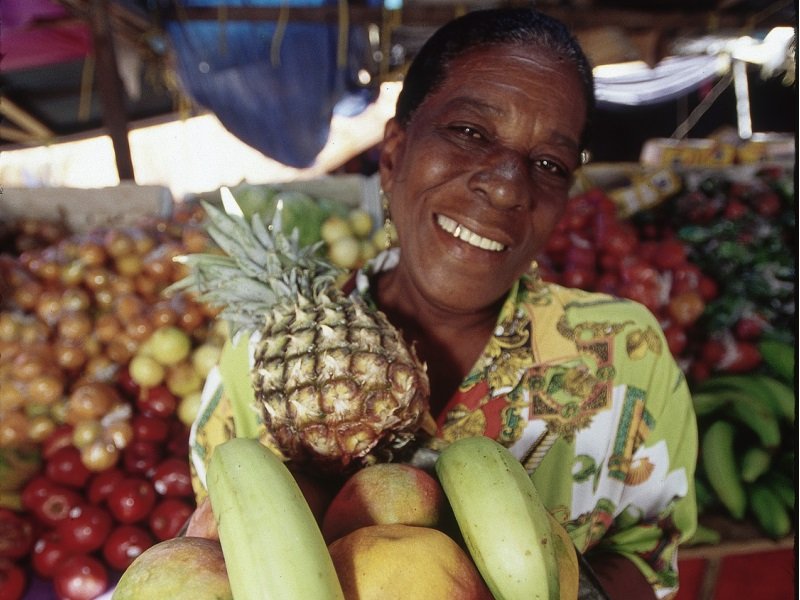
[449, 343]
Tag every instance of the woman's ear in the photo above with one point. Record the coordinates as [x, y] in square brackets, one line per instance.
[391, 153]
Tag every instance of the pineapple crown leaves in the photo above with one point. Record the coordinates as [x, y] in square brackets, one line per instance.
[262, 267]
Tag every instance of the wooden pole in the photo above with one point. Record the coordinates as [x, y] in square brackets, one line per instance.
[109, 86]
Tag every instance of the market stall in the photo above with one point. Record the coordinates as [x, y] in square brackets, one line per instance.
[103, 360]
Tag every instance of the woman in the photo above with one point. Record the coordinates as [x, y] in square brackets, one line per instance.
[476, 167]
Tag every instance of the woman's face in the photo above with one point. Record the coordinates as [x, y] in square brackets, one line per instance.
[480, 176]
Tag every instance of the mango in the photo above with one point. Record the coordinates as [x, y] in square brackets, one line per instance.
[398, 562]
[182, 568]
[383, 494]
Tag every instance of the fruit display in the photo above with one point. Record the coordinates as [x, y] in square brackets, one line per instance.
[93, 447]
[336, 382]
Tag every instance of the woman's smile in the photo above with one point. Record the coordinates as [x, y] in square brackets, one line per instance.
[463, 233]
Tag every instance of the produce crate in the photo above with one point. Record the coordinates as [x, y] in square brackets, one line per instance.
[744, 564]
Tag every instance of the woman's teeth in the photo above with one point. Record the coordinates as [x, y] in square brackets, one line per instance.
[465, 235]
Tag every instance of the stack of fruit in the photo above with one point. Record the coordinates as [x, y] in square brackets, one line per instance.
[391, 531]
[93, 448]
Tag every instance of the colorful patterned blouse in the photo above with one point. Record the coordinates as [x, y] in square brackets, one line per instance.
[583, 390]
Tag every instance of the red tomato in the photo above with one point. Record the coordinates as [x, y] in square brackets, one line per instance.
[140, 458]
[61, 437]
[686, 308]
[66, 467]
[677, 339]
[102, 483]
[169, 517]
[580, 254]
[173, 478]
[132, 500]
[148, 428]
[578, 277]
[749, 328]
[743, 357]
[86, 528]
[178, 443]
[127, 384]
[157, 402]
[13, 580]
[670, 255]
[16, 535]
[48, 553]
[56, 506]
[635, 270]
[80, 577]
[35, 491]
[124, 544]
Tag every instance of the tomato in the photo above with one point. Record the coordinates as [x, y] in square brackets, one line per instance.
[13, 580]
[686, 308]
[169, 517]
[86, 528]
[647, 293]
[140, 458]
[126, 383]
[685, 278]
[80, 577]
[749, 328]
[148, 428]
[578, 276]
[56, 506]
[16, 534]
[48, 553]
[158, 401]
[580, 254]
[132, 500]
[677, 340]
[742, 357]
[124, 544]
[66, 467]
[618, 239]
[61, 437]
[102, 483]
[671, 254]
[35, 491]
[173, 478]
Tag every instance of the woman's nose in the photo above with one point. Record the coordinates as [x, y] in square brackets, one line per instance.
[503, 180]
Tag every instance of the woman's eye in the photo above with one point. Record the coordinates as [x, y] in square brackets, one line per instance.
[469, 132]
[551, 167]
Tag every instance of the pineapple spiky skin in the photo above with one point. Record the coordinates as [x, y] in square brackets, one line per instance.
[335, 382]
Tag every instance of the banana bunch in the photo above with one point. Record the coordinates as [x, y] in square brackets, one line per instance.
[521, 551]
[747, 456]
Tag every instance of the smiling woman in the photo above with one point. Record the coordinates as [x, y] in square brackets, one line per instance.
[475, 170]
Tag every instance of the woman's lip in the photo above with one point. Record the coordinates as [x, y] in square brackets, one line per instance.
[468, 236]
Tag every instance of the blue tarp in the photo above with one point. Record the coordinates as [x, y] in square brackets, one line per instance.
[274, 87]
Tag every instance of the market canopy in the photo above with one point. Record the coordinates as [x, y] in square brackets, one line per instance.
[275, 72]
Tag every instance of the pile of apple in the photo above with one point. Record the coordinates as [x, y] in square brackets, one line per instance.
[100, 375]
[351, 239]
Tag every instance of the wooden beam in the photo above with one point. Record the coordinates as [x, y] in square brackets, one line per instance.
[109, 85]
[23, 119]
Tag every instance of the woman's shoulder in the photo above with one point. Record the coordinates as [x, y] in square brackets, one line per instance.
[578, 304]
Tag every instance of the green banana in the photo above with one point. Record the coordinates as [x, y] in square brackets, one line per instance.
[504, 524]
[755, 462]
[756, 414]
[712, 393]
[272, 545]
[704, 535]
[722, 472]
[708, 402]
[769, 511]
[783, 487]
[780, 357]
[781, 396]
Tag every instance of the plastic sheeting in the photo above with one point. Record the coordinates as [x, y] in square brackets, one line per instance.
[273, 87]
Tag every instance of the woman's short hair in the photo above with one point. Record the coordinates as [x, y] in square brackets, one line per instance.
[482, 28]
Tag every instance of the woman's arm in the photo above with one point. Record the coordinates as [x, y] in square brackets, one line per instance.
[620, 578]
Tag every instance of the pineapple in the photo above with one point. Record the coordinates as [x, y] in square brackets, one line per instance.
[336, 385]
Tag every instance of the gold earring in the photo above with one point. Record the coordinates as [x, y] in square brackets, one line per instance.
[388, 226]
